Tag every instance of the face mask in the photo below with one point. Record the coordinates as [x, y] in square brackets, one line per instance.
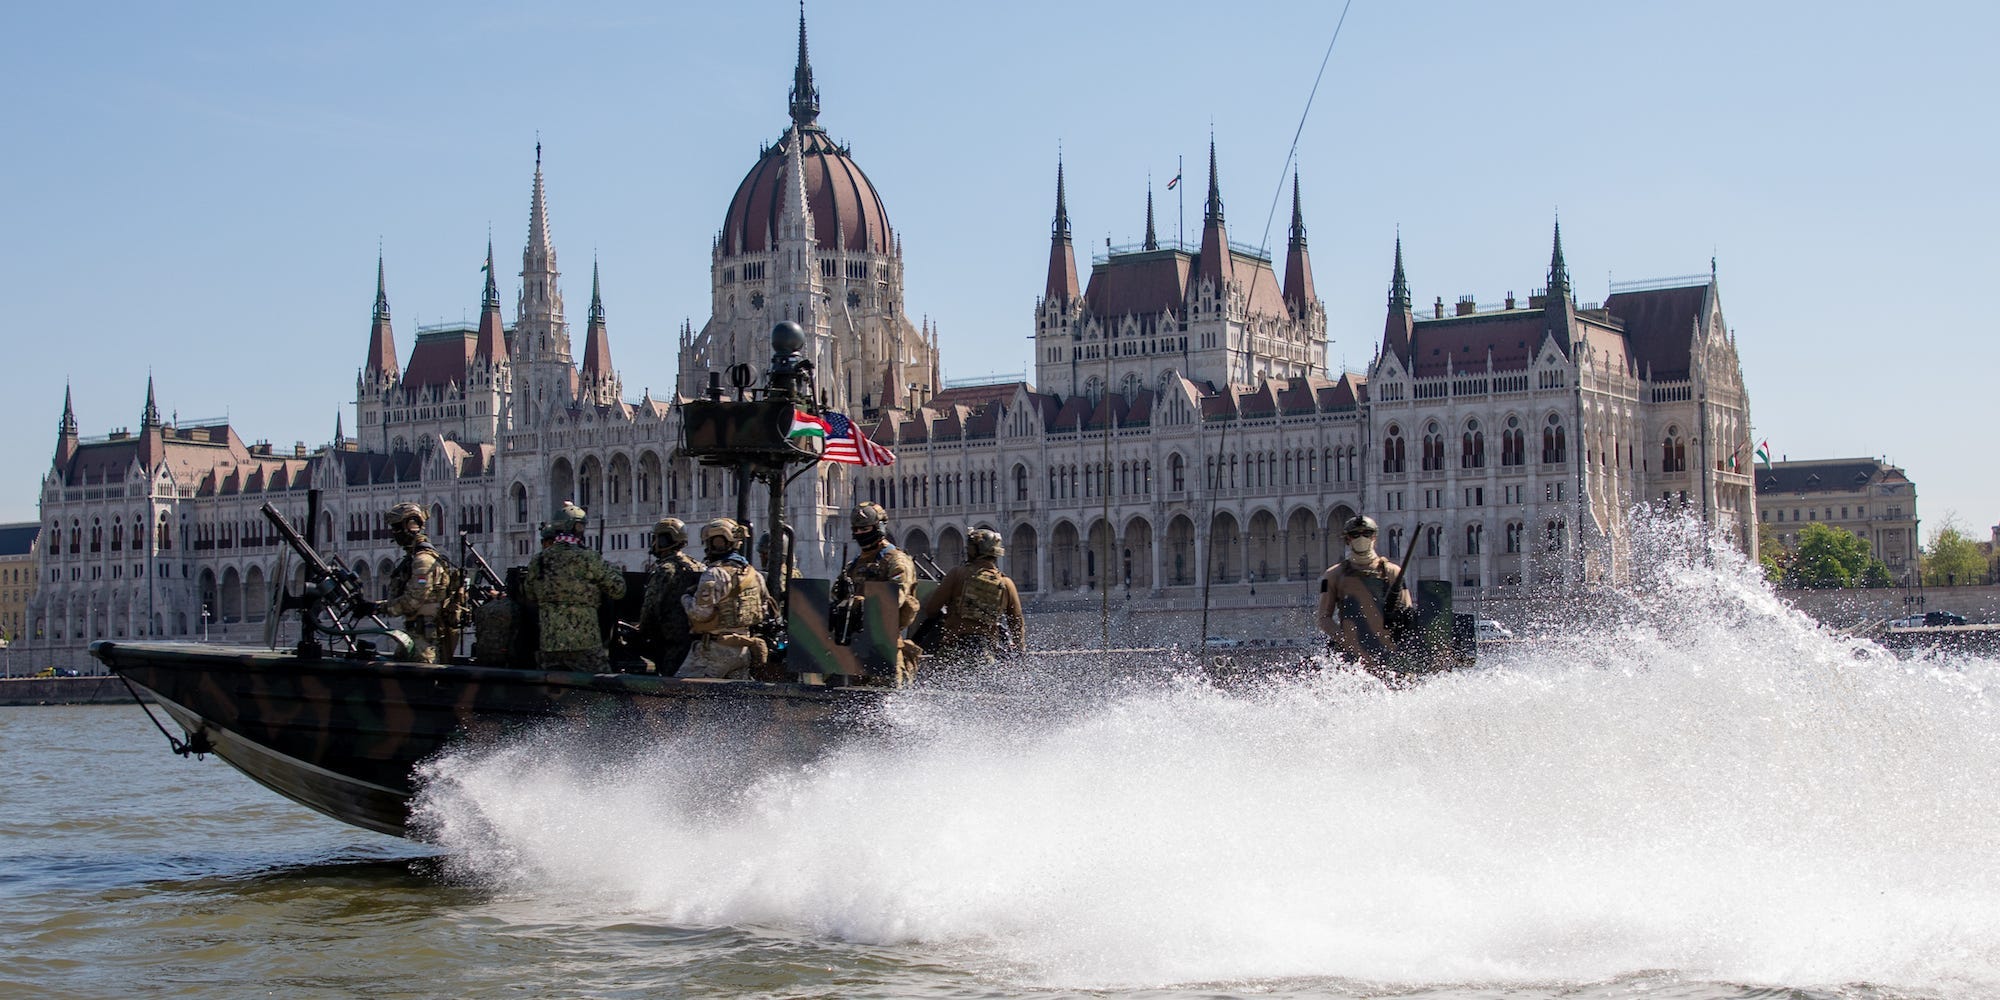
[869, 536]
[1361, 545]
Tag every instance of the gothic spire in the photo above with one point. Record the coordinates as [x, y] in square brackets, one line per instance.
[1298, 217]
[795, 217]
[596, 341]
[596, 299]
[1213, 211]
[69, 413]
[1152, 238]
[1299, 292]
[1215, 264]
[491, 345]
[151, 416]
[491, 300]
[1399, 283]
[539, 245]
[381, 361]
[1558, 270]
[1061, 228]
[1399, 327]
[1061, 285]
[805, 96]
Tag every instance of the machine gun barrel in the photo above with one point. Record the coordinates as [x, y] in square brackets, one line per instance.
[472, 555]
[325, 583]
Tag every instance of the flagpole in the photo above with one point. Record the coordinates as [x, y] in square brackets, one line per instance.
[1180, 188]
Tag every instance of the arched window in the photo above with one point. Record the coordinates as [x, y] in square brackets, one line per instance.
[1673, 451]
[1433, 447]
[1392, 449]
[1514, 531]
[1472, 451]
[1433, 540]
[1177, 472]
[1021, 483]
[1554, 443]
[1472, 537]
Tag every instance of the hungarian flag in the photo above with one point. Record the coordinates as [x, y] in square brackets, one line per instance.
[806, 425]
[846, 443]
[1764, 453]
[1172, 183]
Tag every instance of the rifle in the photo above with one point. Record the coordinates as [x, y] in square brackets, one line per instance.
[844, 610]
[927, 566]
[328, 586]
[470, 553]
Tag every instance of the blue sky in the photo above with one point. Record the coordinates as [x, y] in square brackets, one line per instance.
[199, 192]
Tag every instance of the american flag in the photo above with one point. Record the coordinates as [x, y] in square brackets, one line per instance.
[846, 443]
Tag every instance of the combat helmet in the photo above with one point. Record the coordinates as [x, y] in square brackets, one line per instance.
[569, 515]
[1360, 524]
[984, 543]
[723, 528]
[869, 514]
[404, 511]
[671, 532]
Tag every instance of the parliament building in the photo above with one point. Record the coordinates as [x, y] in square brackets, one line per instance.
[1183, 440]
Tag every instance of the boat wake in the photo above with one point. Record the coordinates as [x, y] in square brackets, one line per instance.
[1698, 780]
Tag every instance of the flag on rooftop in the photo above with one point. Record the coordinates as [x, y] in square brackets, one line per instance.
[1172, 183]
[1764, 453]
[847, 444]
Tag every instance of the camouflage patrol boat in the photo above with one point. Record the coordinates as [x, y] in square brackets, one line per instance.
[340, 723]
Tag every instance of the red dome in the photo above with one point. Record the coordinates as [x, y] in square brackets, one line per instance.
[836, 189]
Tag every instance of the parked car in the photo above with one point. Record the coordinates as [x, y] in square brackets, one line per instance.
[1943, 618]
[1913, 621]
[1486, 628]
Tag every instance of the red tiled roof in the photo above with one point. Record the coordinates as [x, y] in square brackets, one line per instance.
[1464, 341]
[1140, 284]
[440, 358]
[1660, 326]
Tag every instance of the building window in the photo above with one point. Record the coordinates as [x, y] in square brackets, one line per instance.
[1555, 446]
[1472, 538]
[1472, 449]
[1392, 450]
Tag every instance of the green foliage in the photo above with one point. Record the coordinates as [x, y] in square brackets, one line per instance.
[1827, 558]
[1772, 554]
[1876, 574]
[1952, 557]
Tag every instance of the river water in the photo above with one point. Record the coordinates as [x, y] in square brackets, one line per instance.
[1701, 795]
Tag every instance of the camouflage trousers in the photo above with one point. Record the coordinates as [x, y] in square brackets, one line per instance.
[594, 660]
[708, 658]
[423, 640]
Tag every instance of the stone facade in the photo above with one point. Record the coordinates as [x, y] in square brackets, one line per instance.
[1183, 441]
[19, 571]
[1865, 496]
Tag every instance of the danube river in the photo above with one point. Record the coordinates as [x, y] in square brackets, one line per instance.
[1710, 798]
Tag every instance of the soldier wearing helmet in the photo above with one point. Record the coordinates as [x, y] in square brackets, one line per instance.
[1356, 604]
[418, 586]
[881, 560]
[566, 582]
[729, 602]
[663, 622]
[976, 607]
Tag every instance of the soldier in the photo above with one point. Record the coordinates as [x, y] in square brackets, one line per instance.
[978, 607]
[881, 560]
[418, 587]
[663, 622]
[728, 603]
[1356, 607]
[566, 583]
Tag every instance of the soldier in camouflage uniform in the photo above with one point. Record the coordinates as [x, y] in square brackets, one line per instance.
[978, 606]
[663, 622]
[728, 602]
[881, 560]
[566, 583]
[418, 585]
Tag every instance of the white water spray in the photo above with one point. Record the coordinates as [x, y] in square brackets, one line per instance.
[1709, 784]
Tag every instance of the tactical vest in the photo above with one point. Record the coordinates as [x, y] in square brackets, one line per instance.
[744, 607]
[982, 600]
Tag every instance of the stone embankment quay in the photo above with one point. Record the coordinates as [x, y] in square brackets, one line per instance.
[102, 689]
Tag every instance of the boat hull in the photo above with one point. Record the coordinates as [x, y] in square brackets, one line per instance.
[345, 737]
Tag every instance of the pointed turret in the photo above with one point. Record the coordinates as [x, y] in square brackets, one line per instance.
[1062, 286]
[795, 217]
[1152, 237]
[152, 438]
[1398, 327]
[1299, 293]
[492, 345]
[339, 431]
[1559, 286]
[539, 245]
[66, 435]
[381, 364]
[596, 342]
[805, 96]
[1215, 265]
[1560, 310]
